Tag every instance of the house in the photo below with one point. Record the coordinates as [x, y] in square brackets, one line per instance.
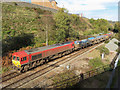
[46, 3]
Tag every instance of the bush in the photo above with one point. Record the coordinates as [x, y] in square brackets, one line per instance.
[116, 43]
[65, 79]
[96, 62]
[103, 49]
[118, 63]
[107, 41]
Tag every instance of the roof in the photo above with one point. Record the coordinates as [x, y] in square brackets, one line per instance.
[45, 48]
[21, 53]
[91, 38]
[84, 40]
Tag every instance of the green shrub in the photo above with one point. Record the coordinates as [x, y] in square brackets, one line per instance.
[5, 69]
[103, 49]
[119, 63]
[107, 41]
[65, 79]
[96, 62]
[116, 43]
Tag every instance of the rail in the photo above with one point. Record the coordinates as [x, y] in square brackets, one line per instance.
[83, 76]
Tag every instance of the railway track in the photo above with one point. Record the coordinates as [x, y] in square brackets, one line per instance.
[18, 81]
[10, 76]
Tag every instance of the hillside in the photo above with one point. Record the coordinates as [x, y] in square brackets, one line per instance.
[25, 27]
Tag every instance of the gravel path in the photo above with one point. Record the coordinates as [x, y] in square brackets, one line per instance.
[111, 45]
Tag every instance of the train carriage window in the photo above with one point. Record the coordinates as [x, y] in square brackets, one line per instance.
[23, 59]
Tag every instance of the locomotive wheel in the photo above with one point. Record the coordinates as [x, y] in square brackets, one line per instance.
[26, 68]
[46, 60]
[38, 62]
[22, 70]
[34, 64]
[67, 52]
[60, 55]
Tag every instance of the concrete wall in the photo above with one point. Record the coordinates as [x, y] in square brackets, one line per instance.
[25, 4]
[46, 3]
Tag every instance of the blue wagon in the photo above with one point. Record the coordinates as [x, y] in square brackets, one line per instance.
[84, 43]
[92, 40]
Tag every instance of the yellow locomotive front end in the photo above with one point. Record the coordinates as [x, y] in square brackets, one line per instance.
[16, 62]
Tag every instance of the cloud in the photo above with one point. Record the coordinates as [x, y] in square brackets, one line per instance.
[106, 9]
[84, 5]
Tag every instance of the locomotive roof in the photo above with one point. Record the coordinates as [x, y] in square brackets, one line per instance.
[45, 48]
[20, 53]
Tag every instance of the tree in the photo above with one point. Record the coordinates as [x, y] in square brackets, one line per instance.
[75, 19]
[63, 27]
[117, 27]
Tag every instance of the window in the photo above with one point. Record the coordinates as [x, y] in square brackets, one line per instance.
[39, 55]
[17, 58]
[36, 56]
[23, 59]
[14, 57]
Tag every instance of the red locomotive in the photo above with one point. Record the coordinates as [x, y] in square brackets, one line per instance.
[26, 59]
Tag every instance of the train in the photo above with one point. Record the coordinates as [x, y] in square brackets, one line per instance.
[22, 61]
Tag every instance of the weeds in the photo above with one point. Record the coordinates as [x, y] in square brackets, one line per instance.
[96, 62]
[103, 49]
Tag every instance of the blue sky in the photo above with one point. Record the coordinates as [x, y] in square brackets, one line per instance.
[107, 9]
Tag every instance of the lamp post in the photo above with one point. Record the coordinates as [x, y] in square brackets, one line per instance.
[46, 29]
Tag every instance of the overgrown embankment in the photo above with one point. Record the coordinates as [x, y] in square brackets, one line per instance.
[25, 28]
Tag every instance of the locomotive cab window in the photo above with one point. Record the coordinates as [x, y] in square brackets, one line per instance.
[23, 59]
[17, 58]
[14, 57]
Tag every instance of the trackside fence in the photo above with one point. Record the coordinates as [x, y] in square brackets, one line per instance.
[83, 76]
